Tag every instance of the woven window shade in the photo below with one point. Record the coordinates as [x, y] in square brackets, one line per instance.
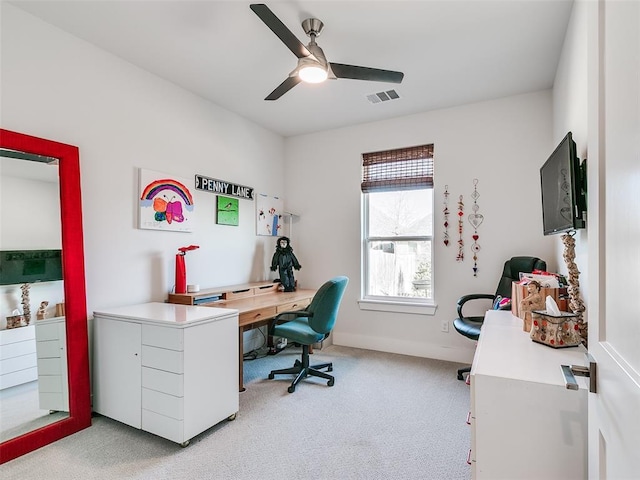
[401, 169]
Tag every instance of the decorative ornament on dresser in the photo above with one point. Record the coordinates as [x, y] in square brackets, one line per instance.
[446, 216]
[576, 305]
[475, 219]
[460, 256]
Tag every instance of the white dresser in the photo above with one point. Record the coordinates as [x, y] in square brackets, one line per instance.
[168, 369]
[53, 379]
[17, 356]
[525, 423]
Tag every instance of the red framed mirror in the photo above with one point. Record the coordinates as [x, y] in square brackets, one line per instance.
[74, 294]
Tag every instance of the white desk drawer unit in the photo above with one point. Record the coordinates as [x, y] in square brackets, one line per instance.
[525, 424]
[53, 379]
[176, 373]
[17, 356]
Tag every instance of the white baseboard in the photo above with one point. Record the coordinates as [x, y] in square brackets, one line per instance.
[415, 349]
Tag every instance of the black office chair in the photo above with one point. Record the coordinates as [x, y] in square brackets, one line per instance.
[469, 326]
[310, 326]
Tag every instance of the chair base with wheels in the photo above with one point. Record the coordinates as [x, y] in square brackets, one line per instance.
[302, 369]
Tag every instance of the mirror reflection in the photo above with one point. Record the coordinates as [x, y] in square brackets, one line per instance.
[33, 353]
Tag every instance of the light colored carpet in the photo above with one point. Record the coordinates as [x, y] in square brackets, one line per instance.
[387, 417]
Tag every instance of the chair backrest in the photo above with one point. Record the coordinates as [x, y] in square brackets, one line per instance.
[325, 304]
[512, 269]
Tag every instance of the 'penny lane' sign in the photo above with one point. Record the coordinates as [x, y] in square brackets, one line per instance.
[224, 188]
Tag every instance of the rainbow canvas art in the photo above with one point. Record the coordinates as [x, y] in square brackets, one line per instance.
[165, 202]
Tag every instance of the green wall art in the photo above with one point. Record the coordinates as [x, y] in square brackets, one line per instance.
[227, 211]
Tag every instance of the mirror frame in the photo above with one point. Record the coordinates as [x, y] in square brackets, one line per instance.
[74, 295]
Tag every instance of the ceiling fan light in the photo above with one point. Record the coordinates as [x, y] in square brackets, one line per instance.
[312, 74]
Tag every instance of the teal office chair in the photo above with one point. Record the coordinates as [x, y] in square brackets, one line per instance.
[310, 326]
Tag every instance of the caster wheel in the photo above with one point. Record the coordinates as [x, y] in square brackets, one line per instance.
[232, 417]
[331, 382]
[271, 376]
[291, 389]
[330, 369]
[185, 444]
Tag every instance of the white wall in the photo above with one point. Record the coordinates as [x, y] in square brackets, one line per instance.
[570, 114]
[122, 118]
[30, 213]
[502, 143]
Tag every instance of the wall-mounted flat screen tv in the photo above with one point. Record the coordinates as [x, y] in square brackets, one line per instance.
[563, 182]
[30, 266]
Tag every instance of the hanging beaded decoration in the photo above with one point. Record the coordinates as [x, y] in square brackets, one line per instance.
[475, 219]
[460, 257]
[446, 216]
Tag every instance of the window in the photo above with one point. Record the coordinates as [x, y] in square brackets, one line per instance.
[397, 193]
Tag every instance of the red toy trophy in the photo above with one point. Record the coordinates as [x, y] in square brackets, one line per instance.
[181, 269]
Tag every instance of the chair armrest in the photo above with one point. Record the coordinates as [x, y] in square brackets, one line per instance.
[473, 296]
[292, 315]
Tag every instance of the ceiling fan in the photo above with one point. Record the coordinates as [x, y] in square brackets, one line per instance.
[312, 64]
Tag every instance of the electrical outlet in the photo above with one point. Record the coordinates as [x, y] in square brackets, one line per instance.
[444, 326]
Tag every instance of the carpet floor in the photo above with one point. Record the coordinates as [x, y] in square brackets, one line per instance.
[388, 416]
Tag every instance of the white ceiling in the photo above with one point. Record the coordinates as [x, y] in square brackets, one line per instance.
[452, 52]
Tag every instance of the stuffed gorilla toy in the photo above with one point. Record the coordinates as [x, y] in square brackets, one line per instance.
[285, 261]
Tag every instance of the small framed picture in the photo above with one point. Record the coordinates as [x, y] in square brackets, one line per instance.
[227, 211]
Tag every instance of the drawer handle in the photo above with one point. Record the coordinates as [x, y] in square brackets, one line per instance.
[265, 286]
[469, 457]
[257, 315]
[295, 305]
[240, 291]
[469, 418]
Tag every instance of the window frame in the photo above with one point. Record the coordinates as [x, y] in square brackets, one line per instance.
[402, 304]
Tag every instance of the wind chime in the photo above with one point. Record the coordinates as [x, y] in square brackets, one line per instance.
[460, 256]
[475, 219]
[446, 216]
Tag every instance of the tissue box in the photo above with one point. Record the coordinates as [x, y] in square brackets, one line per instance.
[556, 331]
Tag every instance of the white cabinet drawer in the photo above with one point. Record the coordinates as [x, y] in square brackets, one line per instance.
[15, 364]
[53, 401]
[163, 337]
[50, 383]
[16, 349]
[161, 381]
[165, 427]
[47, 332]
[13, 335]
[162, 359]
[50, 366]
[49, 349]
[162, 403]
[18, 378]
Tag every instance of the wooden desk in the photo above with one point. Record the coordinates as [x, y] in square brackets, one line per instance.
[257, 303]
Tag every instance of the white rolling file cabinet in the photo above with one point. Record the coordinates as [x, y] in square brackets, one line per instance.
[168, 369]
[525, 423]
[51, 349]
[17, 356]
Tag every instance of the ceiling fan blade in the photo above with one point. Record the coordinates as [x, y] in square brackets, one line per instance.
[280, 29]
[283, 88]
[365, 73]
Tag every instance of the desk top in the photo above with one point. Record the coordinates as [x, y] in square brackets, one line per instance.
[248, 304]
[505, 350]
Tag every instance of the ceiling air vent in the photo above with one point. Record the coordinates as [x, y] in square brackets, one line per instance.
[383, 96]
